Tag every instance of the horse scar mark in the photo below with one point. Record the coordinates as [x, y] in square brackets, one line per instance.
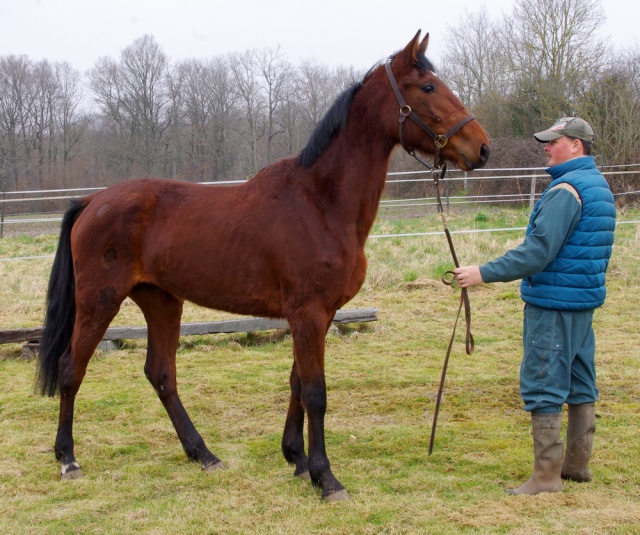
[110, 255]
[107, 297]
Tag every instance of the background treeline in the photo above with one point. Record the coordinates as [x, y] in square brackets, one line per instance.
[228, 116]
[140, 115]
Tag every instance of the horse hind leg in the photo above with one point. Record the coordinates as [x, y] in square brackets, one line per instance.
[73, 367]
[162, 312]
[90, 325]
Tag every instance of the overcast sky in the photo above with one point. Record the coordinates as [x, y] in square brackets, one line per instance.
[334, 32]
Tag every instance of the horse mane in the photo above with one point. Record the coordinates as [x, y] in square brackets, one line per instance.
[336, 118]
[425, 64]
[334, 121]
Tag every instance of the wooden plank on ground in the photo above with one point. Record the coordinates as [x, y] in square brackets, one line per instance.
[358, 315]
[20, 335]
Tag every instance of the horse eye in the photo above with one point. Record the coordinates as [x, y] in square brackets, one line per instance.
[429, 88]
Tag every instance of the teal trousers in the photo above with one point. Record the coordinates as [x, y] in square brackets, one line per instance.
[558, 365]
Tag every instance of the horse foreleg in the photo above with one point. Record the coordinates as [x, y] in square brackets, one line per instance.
[309, 331]
[292, 438]
[163, 312]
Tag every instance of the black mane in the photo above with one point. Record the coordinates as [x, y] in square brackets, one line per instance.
[334, 121]
[425, 64]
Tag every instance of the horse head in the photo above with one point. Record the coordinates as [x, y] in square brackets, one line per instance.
[432, 119]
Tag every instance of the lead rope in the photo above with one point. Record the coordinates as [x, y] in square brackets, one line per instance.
[438, 171]
[464, 300]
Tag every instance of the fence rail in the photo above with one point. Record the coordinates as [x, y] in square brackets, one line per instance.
[51, 219]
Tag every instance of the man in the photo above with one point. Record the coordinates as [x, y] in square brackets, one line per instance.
[562, 263]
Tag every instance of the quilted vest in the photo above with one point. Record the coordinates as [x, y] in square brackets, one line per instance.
[575, 279]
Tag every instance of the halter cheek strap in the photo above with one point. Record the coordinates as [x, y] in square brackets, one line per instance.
[439, 140]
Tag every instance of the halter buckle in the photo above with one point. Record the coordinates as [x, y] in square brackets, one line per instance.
[440, 141]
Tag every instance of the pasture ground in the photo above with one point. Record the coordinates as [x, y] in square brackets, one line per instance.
[382, 380]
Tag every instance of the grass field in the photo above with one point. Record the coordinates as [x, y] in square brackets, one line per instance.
[382, 379]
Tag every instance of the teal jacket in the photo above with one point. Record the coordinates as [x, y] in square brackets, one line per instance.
[565, 255]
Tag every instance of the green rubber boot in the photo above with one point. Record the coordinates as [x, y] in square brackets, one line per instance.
[580, 431]
[547, 453]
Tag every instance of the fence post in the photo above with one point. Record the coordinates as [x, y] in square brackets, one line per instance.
[4, 198]
[446, 192]
[532, 196]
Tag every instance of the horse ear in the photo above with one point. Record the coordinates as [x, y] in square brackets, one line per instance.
[415, 47]
[424, 44]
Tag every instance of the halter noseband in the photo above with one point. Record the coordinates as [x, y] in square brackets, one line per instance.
[439, 140]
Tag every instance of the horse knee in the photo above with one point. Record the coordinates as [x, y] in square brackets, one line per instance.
[296, 387]
[162, 383]
[70, 374]
[315, 399]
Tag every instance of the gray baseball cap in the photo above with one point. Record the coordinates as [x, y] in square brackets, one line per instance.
[567, 126]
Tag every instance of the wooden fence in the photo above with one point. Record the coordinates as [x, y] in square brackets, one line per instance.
[31, 337]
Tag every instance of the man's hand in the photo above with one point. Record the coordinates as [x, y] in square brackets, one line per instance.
[468, 276]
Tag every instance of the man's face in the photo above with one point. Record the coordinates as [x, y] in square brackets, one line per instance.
[562, 149]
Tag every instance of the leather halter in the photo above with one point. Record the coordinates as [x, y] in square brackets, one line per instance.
[439, 140]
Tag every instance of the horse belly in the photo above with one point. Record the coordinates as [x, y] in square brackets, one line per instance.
[219, 277]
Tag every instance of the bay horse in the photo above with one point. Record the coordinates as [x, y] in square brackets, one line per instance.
[289, 243]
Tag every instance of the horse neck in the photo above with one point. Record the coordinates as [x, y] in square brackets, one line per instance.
[351, 174]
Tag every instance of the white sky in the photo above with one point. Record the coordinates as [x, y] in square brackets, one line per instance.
[333, 32]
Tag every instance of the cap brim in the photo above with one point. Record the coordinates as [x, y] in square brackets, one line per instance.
[546, 136]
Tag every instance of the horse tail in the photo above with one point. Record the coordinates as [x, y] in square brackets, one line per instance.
[61, 307]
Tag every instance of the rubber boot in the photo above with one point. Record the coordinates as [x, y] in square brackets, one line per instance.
[547, 452]
[580, 431]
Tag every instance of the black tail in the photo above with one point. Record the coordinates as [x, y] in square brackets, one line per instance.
[61, 306]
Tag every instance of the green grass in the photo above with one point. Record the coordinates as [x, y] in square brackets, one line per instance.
[382, 379]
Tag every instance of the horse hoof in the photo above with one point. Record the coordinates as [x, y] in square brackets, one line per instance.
[304, 475]
[213, 466]
[71, 471]
[338, 496]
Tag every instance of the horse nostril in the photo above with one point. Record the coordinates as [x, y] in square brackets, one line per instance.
[484, 153]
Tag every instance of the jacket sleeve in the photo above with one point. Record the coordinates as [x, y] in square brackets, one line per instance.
[557, 217]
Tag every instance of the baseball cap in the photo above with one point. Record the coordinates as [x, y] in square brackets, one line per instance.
[567, 126]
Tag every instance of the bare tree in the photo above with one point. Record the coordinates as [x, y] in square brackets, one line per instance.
[69, 120]
[145, 80]
[35, 99]
[531, 67]
[15, 113]
[315, 94]
[115, 119]
[244, 73]
[276, 75]
[135, 99]
[554, 49]
[206, 104]
[290, 117]
[612, 104]
[475, 63]
[44, 92]
[224, 103]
